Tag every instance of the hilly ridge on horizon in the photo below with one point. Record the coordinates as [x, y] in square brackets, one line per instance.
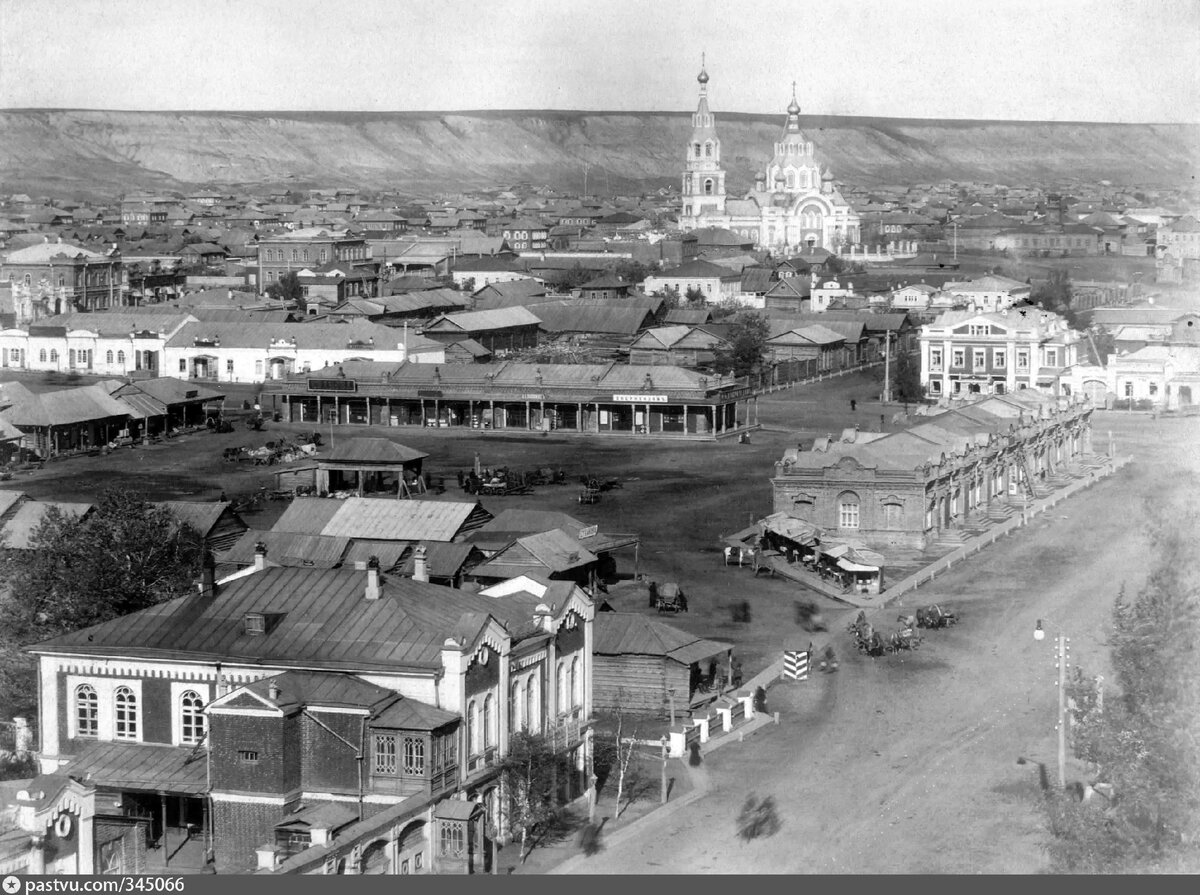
[104, 154]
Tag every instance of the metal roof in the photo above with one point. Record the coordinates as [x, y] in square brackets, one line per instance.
[301, 689]
[288, 548]
[140, 766]
[410, 714]
[401, 520]
[371, 450]
[61, 408]
[307, 516]
[9, 499]
[324, 621]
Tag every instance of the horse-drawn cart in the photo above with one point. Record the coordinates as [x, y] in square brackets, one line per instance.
[671, 598]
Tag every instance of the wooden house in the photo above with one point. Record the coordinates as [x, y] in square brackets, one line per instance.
[639, 661]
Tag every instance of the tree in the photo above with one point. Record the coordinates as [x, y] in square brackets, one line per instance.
[695, 297]
[615, 757]
[906, 377]
[1055, 295]
[670, 298]
[286, 289]
[529, 782]
[1144, 739]
[127, 555]
[575, 277]
[632, 271]
[747, 341]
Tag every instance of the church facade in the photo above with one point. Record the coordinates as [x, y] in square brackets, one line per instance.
[794, 204]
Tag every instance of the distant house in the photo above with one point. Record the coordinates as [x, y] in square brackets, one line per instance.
[681, 345]
[204, 254]
[713, 281]
[214, 521]
[501, 330]
[24, 516]
[790, 295]
[605, 288]
[809, 343]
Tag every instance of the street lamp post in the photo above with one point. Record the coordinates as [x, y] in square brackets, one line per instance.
[1061, 655]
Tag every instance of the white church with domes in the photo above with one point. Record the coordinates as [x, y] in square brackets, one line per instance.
[794, 204]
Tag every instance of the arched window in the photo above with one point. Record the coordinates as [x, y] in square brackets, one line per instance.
[576, 683]
[472, 728]
[53, 355]
[305, 254]
[847, 510]
[563, 691]
[87, 711]
[708, 187]
[125, 714]
[191, 718]
[532, 714]
[695, 152]
[791, 179]
[28, 280]
[514, 705]
[489, 721]
[707, 150]
[42, 355]
[120, 357]
[108, 357]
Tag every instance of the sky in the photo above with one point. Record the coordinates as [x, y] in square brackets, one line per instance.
[1062, 60]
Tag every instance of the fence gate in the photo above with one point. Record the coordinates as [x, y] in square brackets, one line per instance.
[795, 665]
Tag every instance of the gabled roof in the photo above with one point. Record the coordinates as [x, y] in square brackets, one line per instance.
[611, 318]
[481, 321]
[200, 516]
[18, 531]
[698, 270]
[141, 766]
[323, 622]
[60, 408]
[385, 520]
[316, 689]
[548, 553]
[361, 449]
[632, 634]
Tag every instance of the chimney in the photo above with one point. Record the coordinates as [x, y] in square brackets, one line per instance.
[373, 589]
[420, 567]
[273, 691]
[208, 578]
[260, 556]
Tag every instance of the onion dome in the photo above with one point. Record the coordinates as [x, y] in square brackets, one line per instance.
[793, 107]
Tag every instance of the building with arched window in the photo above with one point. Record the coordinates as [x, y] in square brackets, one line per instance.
[963, 468]
[794, 205]
[251, 721]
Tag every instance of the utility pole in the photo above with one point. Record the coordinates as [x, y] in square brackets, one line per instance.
[887, 362]
[1062, 710]
[664, 769]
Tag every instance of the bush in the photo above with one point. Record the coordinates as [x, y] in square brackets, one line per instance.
[757, 818]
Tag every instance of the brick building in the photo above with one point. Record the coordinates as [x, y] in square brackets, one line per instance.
[255, 723]
[1000, 353]
[910, 488]
[291, 252]
[62, 277]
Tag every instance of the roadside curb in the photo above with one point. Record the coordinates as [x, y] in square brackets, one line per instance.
[698, 777]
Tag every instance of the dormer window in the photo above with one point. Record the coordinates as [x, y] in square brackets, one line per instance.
[255, 623]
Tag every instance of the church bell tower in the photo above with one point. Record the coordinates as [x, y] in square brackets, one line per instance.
[703, 177]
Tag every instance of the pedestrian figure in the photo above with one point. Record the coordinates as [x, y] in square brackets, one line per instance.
[653, 594]
[736, 673]
[728, 554]
[694, 758]
[760, 700]
[853, 405]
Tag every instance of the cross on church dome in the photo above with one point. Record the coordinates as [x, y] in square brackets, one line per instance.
[793, 107]
[703, 76]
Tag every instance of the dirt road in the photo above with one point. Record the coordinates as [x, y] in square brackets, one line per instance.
[907, 764]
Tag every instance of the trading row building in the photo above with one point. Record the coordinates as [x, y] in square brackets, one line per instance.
[964, 464]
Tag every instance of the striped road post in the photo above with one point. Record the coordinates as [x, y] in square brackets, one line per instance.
[795, 665]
